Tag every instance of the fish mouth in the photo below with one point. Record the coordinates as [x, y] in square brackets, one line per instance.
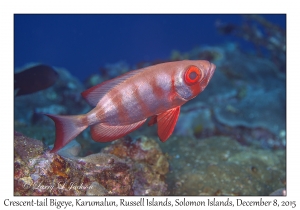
[211, 71]
[209, 74]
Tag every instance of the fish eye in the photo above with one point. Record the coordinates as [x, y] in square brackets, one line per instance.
[192, 75]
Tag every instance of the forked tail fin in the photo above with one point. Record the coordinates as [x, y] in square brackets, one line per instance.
[67, 128]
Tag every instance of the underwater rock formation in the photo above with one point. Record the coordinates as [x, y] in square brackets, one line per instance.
[125, 168]
[254, 91]
[147, 157]
[221, 166]
[252, 96]
[215, 166]
[195, 120]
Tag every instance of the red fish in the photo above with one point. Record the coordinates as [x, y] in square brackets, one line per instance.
[124, 103]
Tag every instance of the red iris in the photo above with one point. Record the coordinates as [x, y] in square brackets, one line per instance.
[192, 75]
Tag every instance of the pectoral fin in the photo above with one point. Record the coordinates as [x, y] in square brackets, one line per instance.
[104, 133]
[166, 123]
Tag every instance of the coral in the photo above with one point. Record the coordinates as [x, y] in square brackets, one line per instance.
[125, 168]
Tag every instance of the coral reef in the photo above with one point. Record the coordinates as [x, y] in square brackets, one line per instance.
[124, 168]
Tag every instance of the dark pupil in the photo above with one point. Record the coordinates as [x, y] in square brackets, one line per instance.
[193, 75]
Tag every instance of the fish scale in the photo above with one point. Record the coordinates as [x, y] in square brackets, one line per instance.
[124, 103]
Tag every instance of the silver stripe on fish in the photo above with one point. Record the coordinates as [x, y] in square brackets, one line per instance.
[110, 111]
[145, 92]
[164, 81]
[131, 103]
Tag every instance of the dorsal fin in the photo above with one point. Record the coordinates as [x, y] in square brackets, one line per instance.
[95, 93]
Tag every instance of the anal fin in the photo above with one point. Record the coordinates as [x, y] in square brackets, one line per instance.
[166, 122]
[102, 132]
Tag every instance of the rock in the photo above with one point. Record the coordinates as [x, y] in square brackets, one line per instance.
[96, 189]
[26, 148]
[221, 166]
[195, 120]
[125, 168]
[150, 163]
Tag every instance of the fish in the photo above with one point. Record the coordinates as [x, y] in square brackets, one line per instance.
[34, 79]
[123, 104]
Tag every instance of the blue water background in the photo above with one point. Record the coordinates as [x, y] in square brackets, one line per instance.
[85, 43]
